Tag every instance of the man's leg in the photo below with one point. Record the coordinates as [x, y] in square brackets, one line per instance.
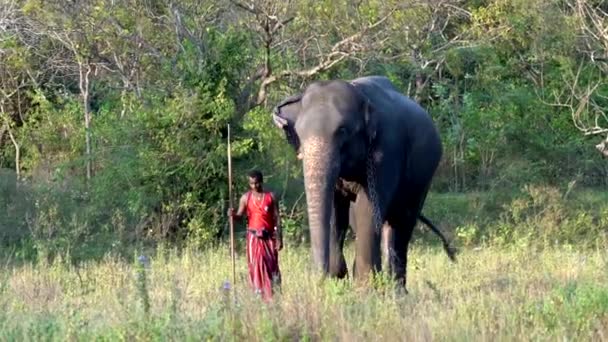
[276, 270]
[255, 260]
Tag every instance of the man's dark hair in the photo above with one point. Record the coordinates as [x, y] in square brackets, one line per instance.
[257, 175]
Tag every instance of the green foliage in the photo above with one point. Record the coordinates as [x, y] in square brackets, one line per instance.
[158, 159]
[520, 189]
[534, 216]
[543, 216]
[14, 204]
[293, 223]
[575, 307]
[166, 82]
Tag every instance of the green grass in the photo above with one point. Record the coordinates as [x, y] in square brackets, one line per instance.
[489, 294]
[532, 266]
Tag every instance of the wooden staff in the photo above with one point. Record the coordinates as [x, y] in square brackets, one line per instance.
[231, 219]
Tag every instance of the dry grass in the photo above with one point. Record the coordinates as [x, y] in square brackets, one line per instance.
[490, 294]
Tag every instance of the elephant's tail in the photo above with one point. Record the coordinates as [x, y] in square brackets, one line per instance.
[449, 249]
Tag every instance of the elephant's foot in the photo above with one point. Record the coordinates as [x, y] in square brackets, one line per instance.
[339, 269]
[400, 278]
[401, 289]
[364, 273]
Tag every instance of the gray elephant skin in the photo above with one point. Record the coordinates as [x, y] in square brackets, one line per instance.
[364, 142]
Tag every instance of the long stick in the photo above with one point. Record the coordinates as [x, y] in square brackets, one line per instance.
[231, 219]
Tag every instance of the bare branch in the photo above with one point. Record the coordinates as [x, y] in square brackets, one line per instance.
[249, 8]
[587, 116]
[603, 147]
[341, 50]
[270, 20]
[280, 24]
[6, 127]
[578, 101]
[8, 18]
[594, 26]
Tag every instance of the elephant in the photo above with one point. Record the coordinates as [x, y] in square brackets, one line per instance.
[362, 142]
[386, 237]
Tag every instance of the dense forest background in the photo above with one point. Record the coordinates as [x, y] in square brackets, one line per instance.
[114, 113]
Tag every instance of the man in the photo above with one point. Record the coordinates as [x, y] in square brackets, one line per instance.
[264, 237]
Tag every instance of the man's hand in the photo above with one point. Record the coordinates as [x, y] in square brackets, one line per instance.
[238, 214]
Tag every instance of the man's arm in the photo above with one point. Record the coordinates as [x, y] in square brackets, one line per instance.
[241, 210]
[277, 216]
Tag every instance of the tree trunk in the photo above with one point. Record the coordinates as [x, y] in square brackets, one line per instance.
[85, 71]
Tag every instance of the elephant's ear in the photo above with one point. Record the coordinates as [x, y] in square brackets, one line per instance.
[285, 115]
[371, 119]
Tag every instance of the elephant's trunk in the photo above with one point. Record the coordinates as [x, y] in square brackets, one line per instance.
[321, 169]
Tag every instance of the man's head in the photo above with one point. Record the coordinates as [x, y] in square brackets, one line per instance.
[256, 179]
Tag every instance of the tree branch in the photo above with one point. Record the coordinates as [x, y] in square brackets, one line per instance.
[345, 48]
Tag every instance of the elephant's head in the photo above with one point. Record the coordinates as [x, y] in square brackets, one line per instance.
[331, 126]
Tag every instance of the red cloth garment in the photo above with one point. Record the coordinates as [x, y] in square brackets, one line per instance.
[260, 214]
[262, 255]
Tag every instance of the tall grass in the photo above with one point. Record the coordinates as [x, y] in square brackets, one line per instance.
[489, 294]
[532, 266]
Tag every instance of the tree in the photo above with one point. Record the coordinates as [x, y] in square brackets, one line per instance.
[17, 76]
[317, 35]
[586, 91]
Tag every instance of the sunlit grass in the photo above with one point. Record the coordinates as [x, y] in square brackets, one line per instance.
[488, 294]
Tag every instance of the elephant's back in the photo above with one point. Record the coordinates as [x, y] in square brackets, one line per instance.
[386, 97]
[374, 81]
[389, 101]
[400, 114]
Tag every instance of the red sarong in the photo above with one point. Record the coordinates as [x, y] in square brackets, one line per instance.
[263, 263]
[262, 255]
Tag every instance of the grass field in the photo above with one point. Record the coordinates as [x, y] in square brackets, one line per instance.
[489, 294]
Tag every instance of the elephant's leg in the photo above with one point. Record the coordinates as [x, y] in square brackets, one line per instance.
[351, 218]
[367, 244]
[386, 242]
[403, 225]
[387, 245]
[353, 226]
[339, 225]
